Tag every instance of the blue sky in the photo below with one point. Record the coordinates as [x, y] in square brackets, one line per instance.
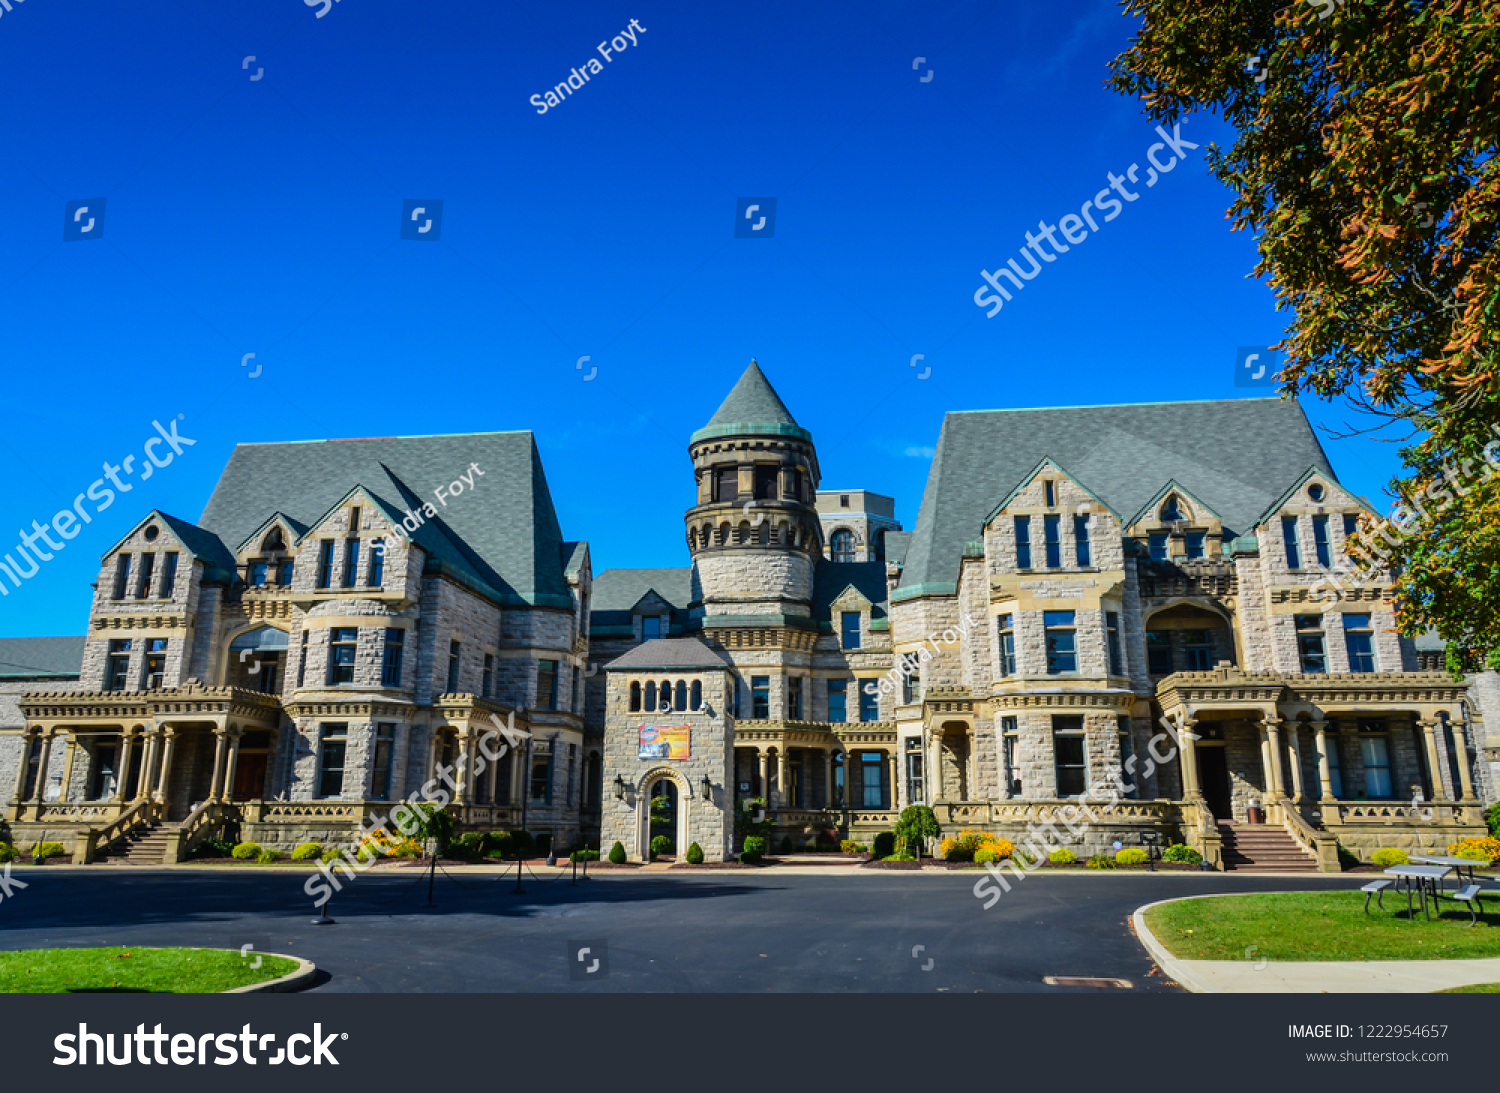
[261, 216]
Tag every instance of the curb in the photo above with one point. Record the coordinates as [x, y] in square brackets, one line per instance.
[293, 981]
[1165, 960]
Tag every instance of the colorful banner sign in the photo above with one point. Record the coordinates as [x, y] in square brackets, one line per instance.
[665, 742]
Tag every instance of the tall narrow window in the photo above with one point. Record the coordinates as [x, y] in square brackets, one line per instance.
[1127, 749]
[302, 661]
[760, 697]
[351, 562]
[1023, 542]
[325, 564]
[385, 749]
[117, 670]
[541, 779]
[1335, 771]
[1050, 489]
[651, 696]
[1360, 641]
[390, 665]
[487, 682]
[377, 563]
[635, 697]
[455, 657]
[1081, 546]
[1194, 544]
[727, 484]
[169, 575]
[546, 684]
[915, 795]
[258, 573]
[1051, 530]
[284, 571]
[1289, 538]
[1156, 542]
[1159, 652]
[333, 744]
[794, 698]
[911, 677]
[1112, 632]
[1351, 525]
[1007, 645]
[143, 583]
[1062, 642]
[697, 699]
[869, 699]
[838, 690]
[1310, 651]
[1197, 650]
[680, 696]
[1375, 752]
[1069, 755]
[1012, 756]
[155, 675]
[343, 641]
[872, 778]
[122, 576]
[849, 629]
[1320, 541]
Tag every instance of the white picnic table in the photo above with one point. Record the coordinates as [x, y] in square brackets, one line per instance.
[1463, 865]
[1420, 876]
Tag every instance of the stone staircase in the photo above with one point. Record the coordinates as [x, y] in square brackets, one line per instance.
[1262, 848]
[143, 846]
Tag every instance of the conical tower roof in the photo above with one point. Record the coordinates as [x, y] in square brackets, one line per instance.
[752, 407]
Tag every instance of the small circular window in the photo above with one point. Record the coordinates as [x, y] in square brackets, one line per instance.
[151, 533]
[1316, 492]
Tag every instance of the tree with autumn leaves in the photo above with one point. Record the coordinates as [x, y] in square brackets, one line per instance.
[1364, 162]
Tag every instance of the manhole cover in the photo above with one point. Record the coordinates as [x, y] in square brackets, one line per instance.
[1085, 981]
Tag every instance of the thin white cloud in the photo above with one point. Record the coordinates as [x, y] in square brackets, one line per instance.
[920, 452]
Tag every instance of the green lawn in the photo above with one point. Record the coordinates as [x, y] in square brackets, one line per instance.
[170, 971]
[1474, 988]
[1320, 926]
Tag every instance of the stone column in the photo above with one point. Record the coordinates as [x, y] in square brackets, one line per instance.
[1187, 758]
[144, 785]
[895, 762]
[464, 791]
[234, 759]
[765, 782]
[122, 764]
[26, 737]
[939, 780]
[44, 760]
[216, 788]
[492, 778]
[163, 783]
[1461, 746]
[1294, 738]
[781, 773]
[70, 751]
[1325, 775]
[1434, 768]
[1273, 745]
[827, 779]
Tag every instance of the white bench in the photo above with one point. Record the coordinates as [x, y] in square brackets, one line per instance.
[1377, 889]
[1469, 894]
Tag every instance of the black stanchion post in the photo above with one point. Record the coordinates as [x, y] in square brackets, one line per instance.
[519, 890]
[431, 876]
[323, 919]
[575, 868]
[585, 859]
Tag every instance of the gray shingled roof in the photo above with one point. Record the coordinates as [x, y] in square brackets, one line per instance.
[831, 578]
[503, 535]
[622, 589]
[897, 543]
[668, 653]
[1238, 455]
[23, 658]
[752, 406]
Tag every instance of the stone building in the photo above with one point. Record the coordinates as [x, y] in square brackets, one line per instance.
[1140, 596]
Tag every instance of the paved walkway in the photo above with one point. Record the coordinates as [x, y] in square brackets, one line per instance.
[1313, 976]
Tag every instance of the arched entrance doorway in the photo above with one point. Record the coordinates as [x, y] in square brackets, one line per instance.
[662, 809]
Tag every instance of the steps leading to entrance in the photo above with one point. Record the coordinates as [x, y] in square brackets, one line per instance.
[1260, 848]
[143, 846]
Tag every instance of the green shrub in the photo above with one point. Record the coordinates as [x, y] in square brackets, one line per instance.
[588, 855]
[523, 842]
[1388, 856]
[499, 844]
[1100, 861]
[407, 848]
[695, 855]
[1492, 818]
[1132, 855]
[1473, 853]
[1347, 858]
[849, 846]
[617, 854]
[49, 850]
[1024, 858]
[1182, 854]
[332, 856]
[246, 852]
[8, 853]
[1062, 856]
[211, 847]
[916, 825]
[467, 847]
[755, 849]
[884, 845]
[307, 852]
[267, 856]
[986, 854]
[433, 823]
[662, 844]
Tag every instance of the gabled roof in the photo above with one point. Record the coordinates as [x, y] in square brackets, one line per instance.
[752, 407]
[41, 658]
[1275, 506]
[831, 578]
[1172, 486]
[681, 653]
[1027, 479]
[296, 527]
[1231, 453]
[502, 535]
[622, 589]
[393, 515]
[219, 561]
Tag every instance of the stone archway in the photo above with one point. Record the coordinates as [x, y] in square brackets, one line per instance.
[682, 837]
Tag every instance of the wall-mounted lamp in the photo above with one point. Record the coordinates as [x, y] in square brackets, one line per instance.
[619, 788]
[708, 789]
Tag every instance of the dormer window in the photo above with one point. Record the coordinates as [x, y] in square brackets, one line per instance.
[849, 629]
[1171, 512]
[650, 627]
[273, 542]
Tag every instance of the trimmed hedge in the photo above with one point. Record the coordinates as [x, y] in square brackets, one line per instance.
[617, 854]
[1132, 855]
[695, 855]
[307, 851]
[245, 852]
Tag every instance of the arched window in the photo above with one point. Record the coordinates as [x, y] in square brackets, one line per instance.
[697, 703]
[842, 546]
[635, 697]
[666, 695]
[273, 541]
[1171, 512]
[681, 695]
[651, 696]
